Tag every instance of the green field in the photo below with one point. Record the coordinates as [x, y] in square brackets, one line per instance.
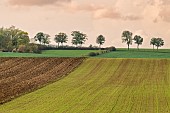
[103, 86]
[50, 53]
[134, 53]
[120, 53]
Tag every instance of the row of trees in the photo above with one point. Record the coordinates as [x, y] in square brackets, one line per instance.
[78, 38]
[127, 37]
[14, 39]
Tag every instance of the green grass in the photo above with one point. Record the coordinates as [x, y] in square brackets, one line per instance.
[120, 53]
[50, 53]
[67, 53]
[103, 86]
[134, 53]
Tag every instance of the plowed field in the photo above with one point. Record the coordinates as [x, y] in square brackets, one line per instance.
[103, 86]
[22, 75]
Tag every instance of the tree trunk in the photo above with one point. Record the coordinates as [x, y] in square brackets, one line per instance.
[99, 46]
[153, 47]
[58, 44]
[62, 45]
[138, 46]
[157, 48]
[128, 46]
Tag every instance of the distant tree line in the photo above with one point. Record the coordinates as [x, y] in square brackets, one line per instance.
[127, 37]
[78, 39]
[16, 40]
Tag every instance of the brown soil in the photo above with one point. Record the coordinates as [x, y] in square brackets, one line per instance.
[22, 75]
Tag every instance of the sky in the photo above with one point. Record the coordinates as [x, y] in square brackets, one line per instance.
[147, 18]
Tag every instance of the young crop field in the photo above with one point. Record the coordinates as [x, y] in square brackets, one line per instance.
[102, 86]
[134, 53]
[23, 75]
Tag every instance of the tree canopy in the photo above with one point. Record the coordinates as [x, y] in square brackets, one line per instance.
[39, 37]
[61, 38]
[127, 38]
[138, 40]
[100, 40]
[12, 37]
[78, 38]
[46, 39]
[159, 42]
[153, 42]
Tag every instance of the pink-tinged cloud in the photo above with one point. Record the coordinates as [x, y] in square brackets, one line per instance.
[107, 13]
[100, 12]
[165, 2]
[164, 11]
[132, 17]
[36, 2]
[85, 7]
[164, 14]
[114, 14]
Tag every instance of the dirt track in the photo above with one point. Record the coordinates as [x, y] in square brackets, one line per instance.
[22, 75]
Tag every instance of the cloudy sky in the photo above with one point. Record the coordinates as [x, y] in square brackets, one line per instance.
[148, 18]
